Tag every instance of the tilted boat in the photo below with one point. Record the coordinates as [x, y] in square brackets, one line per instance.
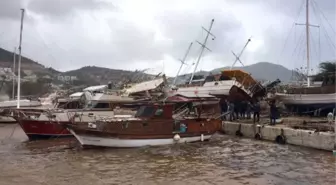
[232, 84]
[152, 125]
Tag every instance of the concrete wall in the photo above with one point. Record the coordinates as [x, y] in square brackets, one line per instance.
[317, 140]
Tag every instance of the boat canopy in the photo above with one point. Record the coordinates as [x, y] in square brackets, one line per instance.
[242, 77]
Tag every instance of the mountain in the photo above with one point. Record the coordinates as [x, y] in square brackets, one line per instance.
[99, 75]
[6, 61]
[88, 75]
[264, 71]
[93, 75]
[259, 71]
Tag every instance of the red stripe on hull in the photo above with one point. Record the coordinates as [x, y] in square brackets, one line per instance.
[51, 128]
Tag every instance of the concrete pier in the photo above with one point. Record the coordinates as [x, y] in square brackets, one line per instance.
[282, 134]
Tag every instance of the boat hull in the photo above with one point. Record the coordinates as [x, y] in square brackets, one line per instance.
[37, 129]
[309, 103]
[307, 99]
[87, 141]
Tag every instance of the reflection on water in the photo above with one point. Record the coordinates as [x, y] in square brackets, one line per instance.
[224, 160]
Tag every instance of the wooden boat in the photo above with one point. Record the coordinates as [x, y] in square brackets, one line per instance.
[152, 125]
[41, 123]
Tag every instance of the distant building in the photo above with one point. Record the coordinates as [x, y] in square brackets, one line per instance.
[66, 78]
[31, 78]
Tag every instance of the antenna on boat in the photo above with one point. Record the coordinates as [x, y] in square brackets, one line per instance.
[19, 65]
[203, 46]
[240, 54]
[307, 24]
[182, 62]
[13, 90]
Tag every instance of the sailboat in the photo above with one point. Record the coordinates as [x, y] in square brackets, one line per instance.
[19, 102]
[308, 99]
[235, 84]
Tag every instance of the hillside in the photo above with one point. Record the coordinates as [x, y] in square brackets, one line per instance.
[93, 75]
[100, 75]
[89, 75]
[6, 61]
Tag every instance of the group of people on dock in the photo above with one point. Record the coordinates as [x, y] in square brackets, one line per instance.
[236, 110]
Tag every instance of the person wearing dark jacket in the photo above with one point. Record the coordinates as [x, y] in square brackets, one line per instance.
[236, 109]
[224, 109]
[256, 111]
[231, 110]
[273, 111]
[248, 110]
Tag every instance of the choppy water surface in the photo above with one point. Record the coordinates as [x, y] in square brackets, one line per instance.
[224, 160]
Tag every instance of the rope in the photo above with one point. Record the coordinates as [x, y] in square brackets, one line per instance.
[315, 8]
[286, 41]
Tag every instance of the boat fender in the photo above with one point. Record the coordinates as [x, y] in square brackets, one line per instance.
[257, 136]
[238, 132]
[202, 137]
[92, 125]
[176, 137]
[281, 139]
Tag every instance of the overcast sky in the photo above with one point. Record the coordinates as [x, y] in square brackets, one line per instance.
[133, 34]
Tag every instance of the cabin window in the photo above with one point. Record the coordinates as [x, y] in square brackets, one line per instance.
[102, 105]
[222, 78]
[68, 105]
[158, 112]
[145, 111]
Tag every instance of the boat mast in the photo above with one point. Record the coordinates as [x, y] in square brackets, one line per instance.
[307, 25]
[203, 46]
[182, 62]
[19, 65]
[307, 38]
[13, 90]
[240, 54]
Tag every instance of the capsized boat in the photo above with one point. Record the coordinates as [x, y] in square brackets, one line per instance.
[152, 125]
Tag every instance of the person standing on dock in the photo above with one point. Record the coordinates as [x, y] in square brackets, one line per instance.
[242, 110]
[236, 109]
[224, 107]
[256, 111]
[248, 110]
[273, 112]
[231, 110]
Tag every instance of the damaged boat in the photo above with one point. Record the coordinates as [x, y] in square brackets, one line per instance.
[153, 124]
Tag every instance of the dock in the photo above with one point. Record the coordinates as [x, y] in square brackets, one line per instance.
[282, 134]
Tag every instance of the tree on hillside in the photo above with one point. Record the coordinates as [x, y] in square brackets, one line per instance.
[327, 70]
[30, 88]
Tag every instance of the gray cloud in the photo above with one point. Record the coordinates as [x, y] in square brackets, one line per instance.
[63, 8]
[9, 9]
[112, 39]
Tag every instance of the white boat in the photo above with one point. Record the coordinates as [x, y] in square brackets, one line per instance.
[307, 99]
[229, 83]
[23, 103]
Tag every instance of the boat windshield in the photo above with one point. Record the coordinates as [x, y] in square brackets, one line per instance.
[145, 111]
